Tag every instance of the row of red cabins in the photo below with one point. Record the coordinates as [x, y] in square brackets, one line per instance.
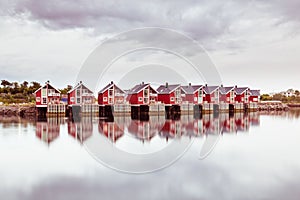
[145, 94]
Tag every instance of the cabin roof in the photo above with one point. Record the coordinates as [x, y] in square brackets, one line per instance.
[191, 89]
[240, 90]
[136, 89]
[109, 86]
[79, 85]
[210, 89]
[167, 90]
[255, 92]
[226, 90]
[49, 87]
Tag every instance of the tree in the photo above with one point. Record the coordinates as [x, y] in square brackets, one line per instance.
[265, 97]
[34, 86]
[66, 90]
[5, 83]
[15, 88]
[297, 93]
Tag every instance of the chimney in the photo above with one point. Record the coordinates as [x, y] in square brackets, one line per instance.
[143, 83]
[221, 85]
[190, 84]
[235, 86]
[167, 84]
[111, 82]
[205, 84]
[47, 82]
[80, 82]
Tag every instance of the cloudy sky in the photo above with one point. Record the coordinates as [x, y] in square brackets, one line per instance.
[253, 43]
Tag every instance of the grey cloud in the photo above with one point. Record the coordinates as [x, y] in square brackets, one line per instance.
[203, 20]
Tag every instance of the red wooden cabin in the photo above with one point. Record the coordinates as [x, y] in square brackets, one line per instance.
[227, 95]
[254, 96]
[211, 94]
[46, 94]
[169, 94]
[193, 94]
[110, 95]
[79, 95]
[241, 94]
[142, 94]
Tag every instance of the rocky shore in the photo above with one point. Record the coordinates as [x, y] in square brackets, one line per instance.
[18, 110]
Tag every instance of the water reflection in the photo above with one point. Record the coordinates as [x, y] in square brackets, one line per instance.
[48, 129]
[114, 129]
[82, 129]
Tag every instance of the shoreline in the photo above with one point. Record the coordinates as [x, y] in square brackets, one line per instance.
[23, 110]
[29, 110]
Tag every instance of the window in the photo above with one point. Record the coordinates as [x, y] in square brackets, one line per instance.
[78, 100]
[38, 99]
[195, 99]
[85, 91]
[146, 92]
[44, 100]
[78, 92]
[72, 99]
[200, 96]
[140, 99]
[110, 100]
[44, 92]
[87, 100]
[50, 91]
[172, 99]
[110, 92]
[105, 99]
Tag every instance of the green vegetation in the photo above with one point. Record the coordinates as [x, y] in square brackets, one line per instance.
[291, 98]
[14, 92]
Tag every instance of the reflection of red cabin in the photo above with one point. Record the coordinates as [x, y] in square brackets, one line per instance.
[193, 94]
[46, 94]
[143, 130]
[81, 130]
[254, 118]
[254, 96]
[142, 94]
[169, 94]
[228, 125]
[242, 94]
[111, 130]
[226, 94]
[211, 94]
[171, 129]
[47, 131]
[110, 95]
[242, 122]
[79, 95]
[193, 128]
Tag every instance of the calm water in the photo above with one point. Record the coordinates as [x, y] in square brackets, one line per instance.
[255, 157]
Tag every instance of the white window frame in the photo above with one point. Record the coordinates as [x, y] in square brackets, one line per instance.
[72, 99]
[140, 99]
[105, 99]
[38, 99]
[172, 99]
